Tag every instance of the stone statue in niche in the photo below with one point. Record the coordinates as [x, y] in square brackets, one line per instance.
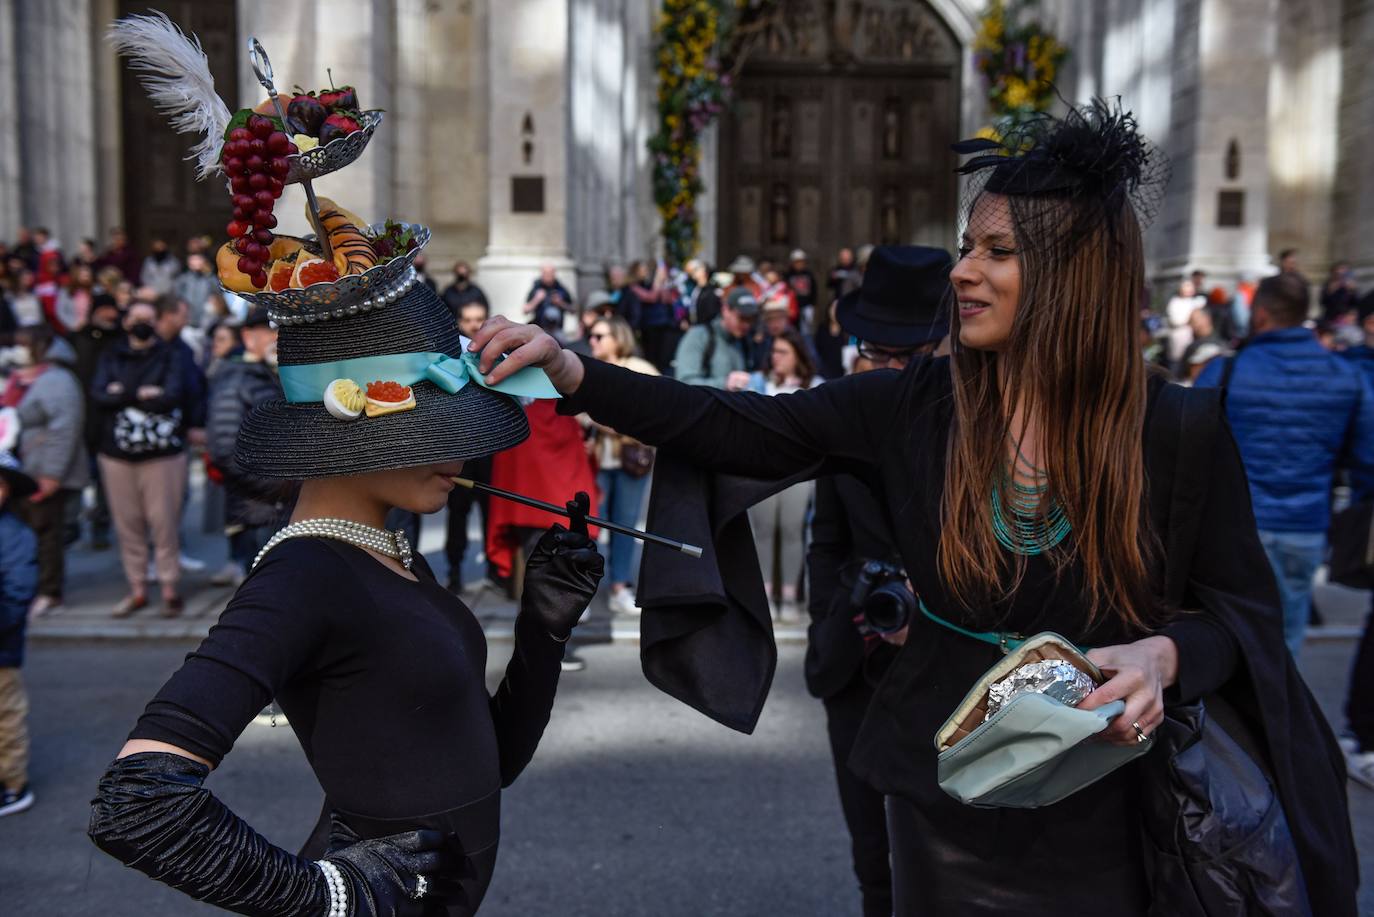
[892, 129]
[780, 129]
[796, 30]
[780, 214]
[527, 138]
[890, 229]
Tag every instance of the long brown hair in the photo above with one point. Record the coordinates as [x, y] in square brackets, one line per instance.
[1073, 367]
[806, 367]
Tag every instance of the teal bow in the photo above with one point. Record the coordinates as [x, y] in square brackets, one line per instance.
[452, 373]
[305, 383]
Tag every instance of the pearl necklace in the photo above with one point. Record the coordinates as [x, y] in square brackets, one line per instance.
[388, 544]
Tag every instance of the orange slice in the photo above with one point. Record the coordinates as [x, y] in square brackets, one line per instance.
[314, 270]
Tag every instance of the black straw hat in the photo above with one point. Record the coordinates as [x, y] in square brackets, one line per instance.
[902, 300]
[281, 439]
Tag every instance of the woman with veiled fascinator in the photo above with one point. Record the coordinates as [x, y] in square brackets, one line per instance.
[1028, 477]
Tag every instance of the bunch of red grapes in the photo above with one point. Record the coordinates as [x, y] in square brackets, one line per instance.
[254, 158]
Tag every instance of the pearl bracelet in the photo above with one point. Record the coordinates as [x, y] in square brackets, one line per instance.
[337, 888]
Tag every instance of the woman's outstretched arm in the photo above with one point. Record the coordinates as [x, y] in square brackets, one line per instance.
[735, 432]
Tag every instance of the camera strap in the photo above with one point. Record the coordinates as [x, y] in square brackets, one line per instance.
[1003, 640]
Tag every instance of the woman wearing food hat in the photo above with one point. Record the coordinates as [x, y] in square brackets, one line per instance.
[378, 667]
[1037, 480]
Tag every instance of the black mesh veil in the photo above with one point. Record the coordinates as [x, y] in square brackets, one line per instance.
[1080, 170]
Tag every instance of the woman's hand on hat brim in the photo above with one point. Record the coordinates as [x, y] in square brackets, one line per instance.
[524, 345]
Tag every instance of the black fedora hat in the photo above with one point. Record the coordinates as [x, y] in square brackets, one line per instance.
[413, 342]
[902, 300]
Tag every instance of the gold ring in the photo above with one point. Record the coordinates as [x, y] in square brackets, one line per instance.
[1140, 735]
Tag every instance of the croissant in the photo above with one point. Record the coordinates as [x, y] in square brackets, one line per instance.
[353, 253]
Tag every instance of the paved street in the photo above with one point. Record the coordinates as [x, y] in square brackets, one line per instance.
[635, 805]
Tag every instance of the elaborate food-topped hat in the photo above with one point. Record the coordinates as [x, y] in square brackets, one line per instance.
[374, 372]
[1093, 161]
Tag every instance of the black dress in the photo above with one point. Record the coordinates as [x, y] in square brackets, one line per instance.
[383, 681]
[890, 430]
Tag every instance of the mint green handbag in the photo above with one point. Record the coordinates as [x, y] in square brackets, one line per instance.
[1035, 750]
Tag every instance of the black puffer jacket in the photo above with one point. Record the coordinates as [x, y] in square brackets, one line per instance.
[239, 386]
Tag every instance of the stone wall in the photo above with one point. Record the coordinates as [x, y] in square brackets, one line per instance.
[612, 106]
[1354, 198]
[48, 156]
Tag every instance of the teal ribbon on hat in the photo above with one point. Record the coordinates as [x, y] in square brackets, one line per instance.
[305, 383]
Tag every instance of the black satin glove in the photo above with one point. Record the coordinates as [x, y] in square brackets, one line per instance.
[561, 576]
[152, 813]
[383, 874]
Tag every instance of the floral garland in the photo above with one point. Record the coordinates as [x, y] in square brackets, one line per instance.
[1019, 59]
[700, 46]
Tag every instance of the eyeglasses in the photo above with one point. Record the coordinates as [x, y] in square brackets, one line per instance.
[881, 356]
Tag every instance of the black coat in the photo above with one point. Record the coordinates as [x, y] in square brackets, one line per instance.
[240, 386]
[89, 343]
[706, 635]
[848, 527]
[159, 366]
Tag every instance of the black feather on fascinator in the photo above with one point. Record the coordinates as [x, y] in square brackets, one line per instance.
[1094, 159]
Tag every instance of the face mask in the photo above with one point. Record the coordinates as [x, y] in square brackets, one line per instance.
[143, 331]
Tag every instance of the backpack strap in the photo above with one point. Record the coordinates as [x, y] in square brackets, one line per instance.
[708, 353]
[1227, 369]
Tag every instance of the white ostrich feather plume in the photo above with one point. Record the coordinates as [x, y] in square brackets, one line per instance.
[176, 75]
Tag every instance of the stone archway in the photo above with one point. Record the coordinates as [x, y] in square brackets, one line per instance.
[839, 133]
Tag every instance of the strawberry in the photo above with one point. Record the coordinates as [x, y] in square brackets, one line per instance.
[307, 112]
[344, 99]
[339, 125]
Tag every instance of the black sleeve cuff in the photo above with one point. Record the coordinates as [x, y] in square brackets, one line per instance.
[1207, 654]
[595, 375]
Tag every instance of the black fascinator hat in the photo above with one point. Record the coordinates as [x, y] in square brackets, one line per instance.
[1094, 160]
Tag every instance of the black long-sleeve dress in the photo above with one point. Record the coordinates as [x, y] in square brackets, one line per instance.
[383, 681]
[890, 430]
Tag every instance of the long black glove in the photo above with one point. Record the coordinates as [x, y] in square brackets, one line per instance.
[562, 574]
[152, 813]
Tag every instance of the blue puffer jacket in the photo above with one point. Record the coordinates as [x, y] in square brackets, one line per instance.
[1298, 411]
[18, 583]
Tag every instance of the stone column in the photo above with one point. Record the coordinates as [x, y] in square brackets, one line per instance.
[528, 151]
[9, 124]
[1354, 197]
[1235, 46]
[109, 128]
[439, 122]
[56, 142]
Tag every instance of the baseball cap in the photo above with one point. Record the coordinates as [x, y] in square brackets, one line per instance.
[743, 302]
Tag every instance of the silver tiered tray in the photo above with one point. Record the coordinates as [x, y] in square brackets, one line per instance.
[350, 294]
[334, 155]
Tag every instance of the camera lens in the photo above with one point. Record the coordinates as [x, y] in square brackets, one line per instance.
[889, 608]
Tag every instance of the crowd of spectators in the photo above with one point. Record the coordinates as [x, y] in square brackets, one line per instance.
[111, 359]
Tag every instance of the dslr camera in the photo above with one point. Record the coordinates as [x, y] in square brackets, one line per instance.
[881, 598]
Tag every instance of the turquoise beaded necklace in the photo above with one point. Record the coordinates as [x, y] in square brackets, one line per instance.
[1027, 530]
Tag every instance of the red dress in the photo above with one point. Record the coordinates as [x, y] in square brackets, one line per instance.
[552, 465]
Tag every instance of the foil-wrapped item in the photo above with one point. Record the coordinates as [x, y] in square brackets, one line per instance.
[1056, 678]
